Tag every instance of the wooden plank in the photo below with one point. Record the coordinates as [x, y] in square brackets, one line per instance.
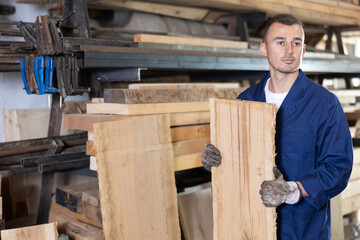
[182, 85]
[184, 133]
[129, 153]
[179, 148]
[273, 8]
[77, 216]
[238, 128]
[190, 146]
[349, 205]
[190, 13]
[135, 96]
[40, 232]
[139, 109]
[181, 162]
[356, 153]
[75, 229]
[195, 210]
[351, 189]
[86, 121]
[337, 226]
[193, 41]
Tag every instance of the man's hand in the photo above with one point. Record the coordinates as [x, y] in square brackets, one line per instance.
[278, 191]
[210, 157]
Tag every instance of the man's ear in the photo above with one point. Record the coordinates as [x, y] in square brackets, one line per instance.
[304, 49]
[263, 49]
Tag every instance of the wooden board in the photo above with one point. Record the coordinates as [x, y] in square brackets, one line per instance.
[138, 109]
[75, 229]
[195, 210]
[77, 216]
[190, 146]
[351, 189]
[196, 14]
[179, 148]
[86, 121]
[181, 162]
[182, 85]
[244, 132]
[207, 42]
[136, 180]
[337, 226]
[184, 133]
[140, 96]
[39, 232]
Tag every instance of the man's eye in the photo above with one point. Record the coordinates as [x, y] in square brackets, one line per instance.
[280, 43]
[296, 44]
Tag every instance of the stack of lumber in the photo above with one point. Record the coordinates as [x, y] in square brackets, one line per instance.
[187, 106]
[334, 12]
[41, 232]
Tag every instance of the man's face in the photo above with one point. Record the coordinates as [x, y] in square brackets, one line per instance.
[284, 47]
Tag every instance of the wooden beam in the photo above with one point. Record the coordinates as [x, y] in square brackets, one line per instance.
[193, 41]
[185, 133]
[129, 153]
[40, 232]
[337, 226]
[238, 128]
[86, 121]
[135, 96]
[148, 108]
[182, 85]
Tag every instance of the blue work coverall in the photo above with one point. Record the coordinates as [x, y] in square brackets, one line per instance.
[313, 146]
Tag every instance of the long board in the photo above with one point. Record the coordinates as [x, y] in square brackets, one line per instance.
[244, 132]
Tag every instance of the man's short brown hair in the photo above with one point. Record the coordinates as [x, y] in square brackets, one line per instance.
[285, 19]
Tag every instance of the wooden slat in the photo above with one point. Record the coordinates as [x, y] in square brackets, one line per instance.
[207, 42]
[141, 96]
[86, 121]
[39, 232]
[138, 109]
[244, 132]
[183, 162]
[184, 133]
[355, 173]
[182, 85]
[129, 153]
[190, 146]
[195, 211]
[337, 226]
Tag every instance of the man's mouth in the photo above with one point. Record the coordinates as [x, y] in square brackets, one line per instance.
[288, 60]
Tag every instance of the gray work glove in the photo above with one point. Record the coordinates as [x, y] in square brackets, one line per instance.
[210, 157]
[278, 191]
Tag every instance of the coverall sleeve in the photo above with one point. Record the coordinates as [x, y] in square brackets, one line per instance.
[334, 156]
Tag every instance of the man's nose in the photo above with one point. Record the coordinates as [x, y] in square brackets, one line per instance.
[288, 48]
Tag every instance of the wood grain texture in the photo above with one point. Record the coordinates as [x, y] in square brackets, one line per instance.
[135, 96]
[182, 85]
[210, 42]
[183, 133]
[244, 132]
[39, 232]
[86, 121]
[136, 180]
[147, 108]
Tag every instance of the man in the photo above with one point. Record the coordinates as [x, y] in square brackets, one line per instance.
[313, 142]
